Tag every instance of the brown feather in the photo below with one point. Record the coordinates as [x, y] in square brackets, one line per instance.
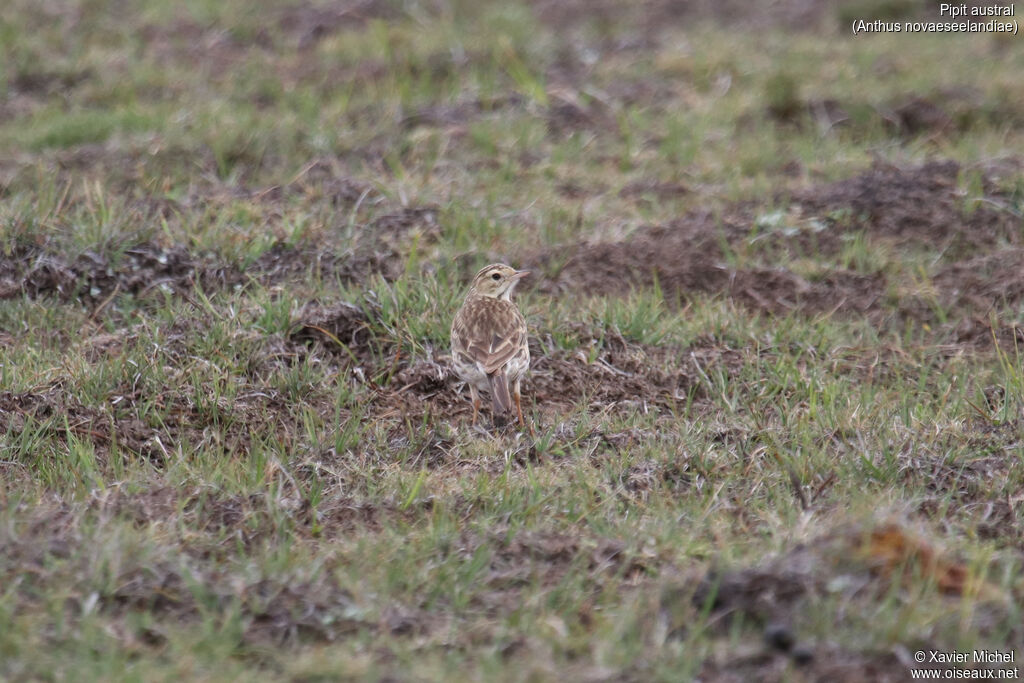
[489, 341]
[505, 338]
[501, 398]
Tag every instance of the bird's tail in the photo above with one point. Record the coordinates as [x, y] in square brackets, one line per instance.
[502, 399]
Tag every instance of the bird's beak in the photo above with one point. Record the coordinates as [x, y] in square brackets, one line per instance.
[520, 274]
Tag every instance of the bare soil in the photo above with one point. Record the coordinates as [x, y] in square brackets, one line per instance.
[920, 204]
[981, 263]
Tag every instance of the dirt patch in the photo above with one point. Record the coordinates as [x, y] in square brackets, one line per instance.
[826, 663]
[179, 581]
[686, 257]
[983, 282]
[609, 372]
[381, 246]
[779, 290]
[612, 373]
[276, 610]
[283, 263]
[646, 477]
[856, 565]
[621, 375]
[256, 517]
[921, 204]
[868, 559]
[954, 110]
[971, 488]
[343, 329]
[306, 24]
[683, 256]
[460, 113]
[45, 83]
[918, 205]
[326, 178]
[568, 114]
[403, 387]
[91, 278]
[52, 413]
[661, 191]
[946, 112]
[974, 302]
[124, 170]
[528, 558]
[211, 49]
[173, 420]
[396, 227]
[618, 375]
[150, 268]
[425, 386]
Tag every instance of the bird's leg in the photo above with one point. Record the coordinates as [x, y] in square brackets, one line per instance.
[519, 407]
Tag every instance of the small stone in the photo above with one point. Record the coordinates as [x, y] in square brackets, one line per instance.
[803, 655]
[779, 636]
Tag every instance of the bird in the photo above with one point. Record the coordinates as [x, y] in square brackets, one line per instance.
[490, 350]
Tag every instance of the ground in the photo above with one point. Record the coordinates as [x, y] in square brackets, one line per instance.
[776, 312]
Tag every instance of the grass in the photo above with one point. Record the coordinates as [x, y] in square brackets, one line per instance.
[232, 242]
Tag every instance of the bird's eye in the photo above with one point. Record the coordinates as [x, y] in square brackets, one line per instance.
[496, 276]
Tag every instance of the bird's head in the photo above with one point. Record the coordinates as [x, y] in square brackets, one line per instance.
[497, 280]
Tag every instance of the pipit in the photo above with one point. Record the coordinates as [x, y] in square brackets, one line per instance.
[489, 344]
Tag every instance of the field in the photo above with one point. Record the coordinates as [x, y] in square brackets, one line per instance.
[776, 313]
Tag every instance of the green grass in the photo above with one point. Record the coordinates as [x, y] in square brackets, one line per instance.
[231, 242]
[78, 128]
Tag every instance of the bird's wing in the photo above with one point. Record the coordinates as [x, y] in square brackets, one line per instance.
[501, 348]
[494, 336]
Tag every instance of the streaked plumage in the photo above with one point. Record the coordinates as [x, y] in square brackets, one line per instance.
[489, 341]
